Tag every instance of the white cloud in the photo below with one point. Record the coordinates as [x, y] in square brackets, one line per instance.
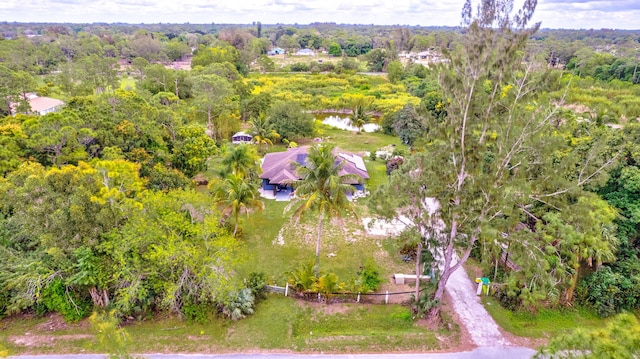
[553, 13]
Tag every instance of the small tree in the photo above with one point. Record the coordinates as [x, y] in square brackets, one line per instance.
[237, 195]
[263, 132]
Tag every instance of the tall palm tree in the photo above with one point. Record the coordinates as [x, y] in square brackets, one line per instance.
[238, 195]
[322, 188]
[263, 132]
[241, 160]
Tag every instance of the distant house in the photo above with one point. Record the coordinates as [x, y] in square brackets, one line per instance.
[40, 105]
[304, 52]
[276, 51]
[241, 137]
[278, 172]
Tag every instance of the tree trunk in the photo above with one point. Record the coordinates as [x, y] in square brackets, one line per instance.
[418, 257]
[317, 267]
[235, 229]
[448, 269]
[574, 283]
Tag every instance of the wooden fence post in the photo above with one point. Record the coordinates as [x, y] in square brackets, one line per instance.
[386, 298]
[286, 290]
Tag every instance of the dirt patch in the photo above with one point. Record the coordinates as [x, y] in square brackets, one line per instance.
[32, 340]
[333, 308]
[524, 342]
[56, 322]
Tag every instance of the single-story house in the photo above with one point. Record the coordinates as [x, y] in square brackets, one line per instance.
[304, 52]
[278, 173]
[40, 105]
[276, 51]
[241, 137]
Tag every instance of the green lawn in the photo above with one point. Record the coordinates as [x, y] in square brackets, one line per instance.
[345, 246]
[359, 141]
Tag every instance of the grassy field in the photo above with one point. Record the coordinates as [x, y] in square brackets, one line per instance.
[280, 323]
[284, 60]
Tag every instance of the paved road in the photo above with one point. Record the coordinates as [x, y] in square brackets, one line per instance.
[479, 353]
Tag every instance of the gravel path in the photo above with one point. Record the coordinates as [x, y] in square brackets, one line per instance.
[481, 326]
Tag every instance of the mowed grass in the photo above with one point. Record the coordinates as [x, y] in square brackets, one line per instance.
[280, 323]
[359, 142]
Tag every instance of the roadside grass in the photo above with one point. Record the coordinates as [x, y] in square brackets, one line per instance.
[280, 323]
[546, 323]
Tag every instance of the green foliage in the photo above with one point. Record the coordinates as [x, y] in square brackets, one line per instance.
[619, 339]
[290, 121]
[303, 278]
[395, 71]
[408, 124]
[193, 150]
[110, 337]
[57, 297]
[239, 304]
[377, 60]
[610, 291]
[369, 278]
[196, 312]
[256, 282]
[335, 49]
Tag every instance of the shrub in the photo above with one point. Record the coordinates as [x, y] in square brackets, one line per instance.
[256, 283]
[239, 305]
[193, 312]
[369, 278]
[56, 297]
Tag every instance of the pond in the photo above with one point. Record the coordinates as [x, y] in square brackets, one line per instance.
[344, 123]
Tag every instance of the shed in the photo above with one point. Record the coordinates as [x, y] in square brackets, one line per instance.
[241, 137]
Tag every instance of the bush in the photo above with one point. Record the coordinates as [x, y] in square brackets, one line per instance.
[369, 278]
[239, 305]
[256, 283]
[299, 67]
[609, 292]
[197, 313]
[56, 297]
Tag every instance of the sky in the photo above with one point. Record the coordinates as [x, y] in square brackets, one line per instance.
[555, 14]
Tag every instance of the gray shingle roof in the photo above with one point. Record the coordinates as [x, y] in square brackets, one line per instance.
[277, 167]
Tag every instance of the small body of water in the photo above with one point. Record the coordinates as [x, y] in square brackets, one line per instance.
[344, 123]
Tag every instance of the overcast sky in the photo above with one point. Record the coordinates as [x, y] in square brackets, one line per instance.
[567, 14]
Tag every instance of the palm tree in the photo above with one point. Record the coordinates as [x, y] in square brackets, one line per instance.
[241, 160]
[263, 132]
[238, 195]
[322, 188]
[359, 105]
